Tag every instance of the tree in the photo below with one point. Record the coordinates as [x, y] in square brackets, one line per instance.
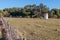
[55, 12]
[43, 9]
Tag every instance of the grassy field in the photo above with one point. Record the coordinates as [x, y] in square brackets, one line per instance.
[37, 29]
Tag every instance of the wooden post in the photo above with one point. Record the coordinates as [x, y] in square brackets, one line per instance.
[2, 27]
[4, 31]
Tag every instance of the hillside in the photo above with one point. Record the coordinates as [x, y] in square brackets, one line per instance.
[37, 29]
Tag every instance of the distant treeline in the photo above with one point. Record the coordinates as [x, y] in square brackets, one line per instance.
[31, 11]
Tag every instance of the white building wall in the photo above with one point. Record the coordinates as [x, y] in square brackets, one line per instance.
[45, 15]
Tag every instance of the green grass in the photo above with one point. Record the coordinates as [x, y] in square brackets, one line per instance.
[37, 29]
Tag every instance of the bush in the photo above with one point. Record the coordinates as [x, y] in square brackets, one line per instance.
[55, 16]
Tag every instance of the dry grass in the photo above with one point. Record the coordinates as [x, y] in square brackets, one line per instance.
[37, 29]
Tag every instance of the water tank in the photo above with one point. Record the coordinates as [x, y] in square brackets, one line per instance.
[45, 15]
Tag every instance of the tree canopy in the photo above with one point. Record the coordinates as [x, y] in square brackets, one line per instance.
[32, 11]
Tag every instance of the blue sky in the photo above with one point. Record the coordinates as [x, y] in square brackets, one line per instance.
[21, 3]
